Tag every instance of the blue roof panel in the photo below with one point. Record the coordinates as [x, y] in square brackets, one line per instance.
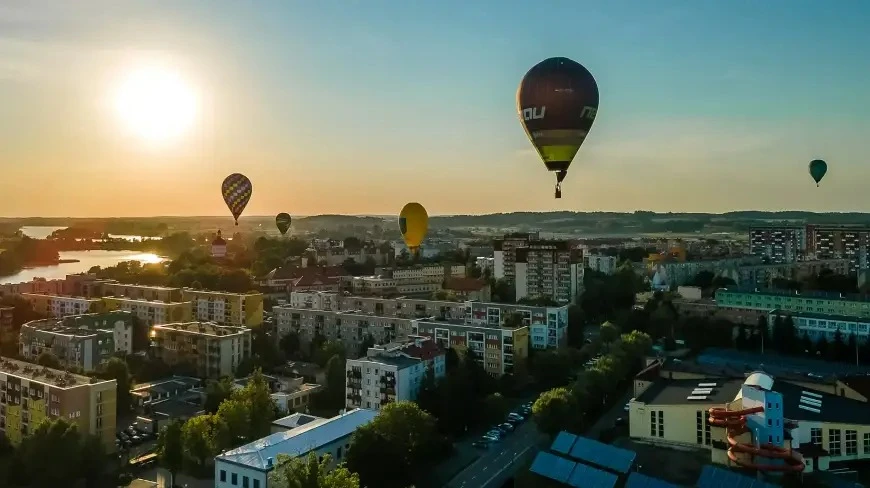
[604, 455]
[638, 480]
[563, 442]
[588, 477]
[552, 466]
[713, 477]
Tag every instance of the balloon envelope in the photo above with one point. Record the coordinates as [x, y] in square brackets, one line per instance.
[282, 220]
[818, 168]
[236, 190]
[413, 224]
[557, 102]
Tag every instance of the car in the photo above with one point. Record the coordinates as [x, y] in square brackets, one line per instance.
[481, 444]
[491, 437]
[496, 433]
[506, 427]
[515, 415]
[627, 407]
[526, 411]
[136, 440]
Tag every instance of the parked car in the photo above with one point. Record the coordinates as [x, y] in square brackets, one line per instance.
[506, 427]
[490, 438]
[481, 444]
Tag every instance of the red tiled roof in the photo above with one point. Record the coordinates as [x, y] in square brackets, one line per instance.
[464, 284]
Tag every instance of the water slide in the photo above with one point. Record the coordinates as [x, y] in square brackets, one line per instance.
[734, 422]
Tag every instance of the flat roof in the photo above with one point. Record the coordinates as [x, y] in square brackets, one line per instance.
[297, 442]
[775, 363]
[203, 328]
[713, 477]
[831, 408]
[63, 297]
[47, 376]
[571, 473]
[639, 480]
[298, 420]
[168, 383]
[677, 392]
[213, 292]
[816, 295]
[400, 362]
[176, 408]
[606, 456]
[142, 300]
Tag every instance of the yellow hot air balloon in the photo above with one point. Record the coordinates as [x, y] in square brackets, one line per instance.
[413, 224]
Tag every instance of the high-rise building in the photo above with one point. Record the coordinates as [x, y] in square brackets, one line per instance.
[840, 242]
[548, 269]
[240, 309]
[500, 349]
[30, 393]
[392, 372]
[74, 347]
[213, 350]
[779, 243]
[504, 254]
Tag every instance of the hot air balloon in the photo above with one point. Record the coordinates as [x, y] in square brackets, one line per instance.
[557, 102]
[413, 224]
[282, 220]
[818, 168]
[237, 190]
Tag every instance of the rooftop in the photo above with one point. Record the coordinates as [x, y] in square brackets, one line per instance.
[263, 453]
[821, 295]
[298, 420]
[41, 374]
[142, 300]
[65, 297]
[214, 292]
[143, 287]
[822, 316]
[799, 403]
[176, 408]
[62, 330]
[167, 385]
[678, 392]
[593, 452]
[464, 284]
[777, 364]
[714, 477]
[203, 328]
[571, 473]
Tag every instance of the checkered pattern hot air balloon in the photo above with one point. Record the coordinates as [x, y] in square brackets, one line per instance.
[236, 190]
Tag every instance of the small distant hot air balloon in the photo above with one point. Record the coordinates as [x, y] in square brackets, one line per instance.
[413, 224]
[557, 102]
[818, 168]
[282, 220]
[237, 190]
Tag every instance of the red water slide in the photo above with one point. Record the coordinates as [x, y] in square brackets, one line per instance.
[734, 422]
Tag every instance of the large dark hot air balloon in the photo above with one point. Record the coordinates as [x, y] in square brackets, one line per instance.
[282, 220]
[236, 190]
[557, 102]
[818, 168]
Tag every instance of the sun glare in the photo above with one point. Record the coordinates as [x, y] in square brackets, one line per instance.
[156, 104]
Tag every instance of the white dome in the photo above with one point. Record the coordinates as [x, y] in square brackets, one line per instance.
[760, 380]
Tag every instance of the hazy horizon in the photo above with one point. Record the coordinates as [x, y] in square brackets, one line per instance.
[342, 108]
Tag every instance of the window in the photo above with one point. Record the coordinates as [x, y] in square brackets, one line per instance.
[245, 482]
[835, 446]
[223, 475]
[699, 427]
[816, 436]
[661, 423]
[851, 443]
[234, 479]
[256, 483]
[867, 443]
[653, 423]
[338, 453]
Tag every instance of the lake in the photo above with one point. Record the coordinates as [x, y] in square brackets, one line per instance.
[43, 231]
[87, 260]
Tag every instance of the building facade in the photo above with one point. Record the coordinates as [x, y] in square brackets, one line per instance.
[790, 301]
[840, 242]
[141, 292]
[504, 254]
[150, 312]
[8, 334]
[213, 350]
[819, 326]
[29, 394]
[61, 306]
[239, 309]
[601, 263]
[548, 269]
[499, 349]
[780, 243]
[74, 347]
[392, 373]
[763, 275]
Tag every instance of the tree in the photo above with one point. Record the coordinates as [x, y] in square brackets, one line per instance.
[333, 396]
[608, 332]
[48, 360]
[58, 440]
[116, 369]
[553, 410]
[789, 332]
[806, 345]
[201, 437]
[261, 407]
[451, 359]
[551, 368]
[215, 393]
[236, 416]
[170, 449]
[837, 351]
[400, 428]
[495, 407]
[290, 345]
[428, 397]
[576, 326]
[310, 473]
[742, 340]
[703, 280]
[367, 342]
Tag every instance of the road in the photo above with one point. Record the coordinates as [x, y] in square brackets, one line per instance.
[494, 464]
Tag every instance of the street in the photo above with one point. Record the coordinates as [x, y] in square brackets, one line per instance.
[494, 463]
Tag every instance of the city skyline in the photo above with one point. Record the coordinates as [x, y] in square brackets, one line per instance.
[704, 108]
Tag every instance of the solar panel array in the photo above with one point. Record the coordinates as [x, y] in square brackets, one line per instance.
[637, 480]
[572, 474]
[604, 455]
[713, 477]
[564, 441]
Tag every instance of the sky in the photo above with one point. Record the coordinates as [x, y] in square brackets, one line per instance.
[357, 107]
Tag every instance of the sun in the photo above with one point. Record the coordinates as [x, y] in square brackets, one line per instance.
[156, 104]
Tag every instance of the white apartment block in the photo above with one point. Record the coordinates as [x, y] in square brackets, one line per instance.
[601, 263]
[60, 306]
[392, 373]
[151, 312]
[548, 269]
[547, 325]
[317, 300]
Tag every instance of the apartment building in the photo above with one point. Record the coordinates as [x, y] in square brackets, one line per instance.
[840, 242]
[7, 326]
[818, 326]
[351, 328]
[548, 326]
[601, 263]
[213, 350]
[141, 292]
[779, 243]
[504, 254]
[39, 286]
[392, 372]
[151, 312]
[336, 254]
[74, 347]
[31, 393]
[499, 349]
[548, 269]
[61, 306]
[763, 275]
[790, 301]
[239, 309]
[119, 322]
